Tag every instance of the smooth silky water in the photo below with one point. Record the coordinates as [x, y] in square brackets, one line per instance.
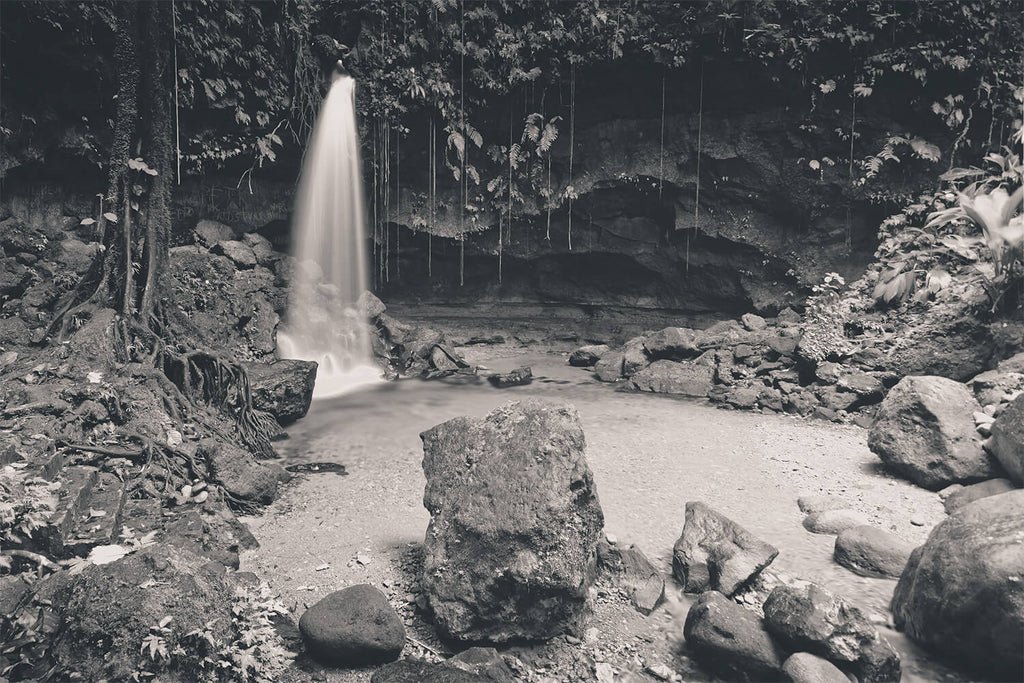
[650, 455]
[323, 322]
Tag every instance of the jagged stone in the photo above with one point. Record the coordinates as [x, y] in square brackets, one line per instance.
[715, 553]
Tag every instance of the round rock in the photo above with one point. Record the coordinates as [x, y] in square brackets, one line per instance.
[870, 551]
[803, 667]
[352, 627]
[833, 521]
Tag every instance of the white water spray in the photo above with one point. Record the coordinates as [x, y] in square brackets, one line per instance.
[324, 322]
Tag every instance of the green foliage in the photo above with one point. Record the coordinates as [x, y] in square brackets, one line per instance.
[253, 652]
[823, 333]
[26, 503]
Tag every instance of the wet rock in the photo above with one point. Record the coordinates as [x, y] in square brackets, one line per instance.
[813, 620]
[924, 431]
[609, 367]
[715, 553]
[962, 593]
[634, 359]
[240, 253]
[833, 521]
[968, 494]
[370, 307]
[753, 322]
[994, 387]
[353, 627]
[672, 343]
[587, 356]
[731, 640]
[513, 378]
[106, 611]
[803, 667]
[510, 552]
[1007, 442]
[669, 377]
[240, 473]
[870, 551]
[418, 671]
[283, 388]
[210, 232]
[630, 569]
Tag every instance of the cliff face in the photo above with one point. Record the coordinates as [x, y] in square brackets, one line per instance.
[764, 223]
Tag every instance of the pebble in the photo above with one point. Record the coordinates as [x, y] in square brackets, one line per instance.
[918, 520]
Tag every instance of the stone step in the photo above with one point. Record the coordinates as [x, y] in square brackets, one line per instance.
[99, 522]
[76, 486]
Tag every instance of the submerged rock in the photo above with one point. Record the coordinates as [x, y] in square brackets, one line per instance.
[587, 356]
[962, 592]
[731, 640]
[510, 553]
[353, 627]
[833, 521]
[813, 620]
[924, 431]
[283, 388]
[513, 378]
[870, 551]
[715, 553]
[803, 667]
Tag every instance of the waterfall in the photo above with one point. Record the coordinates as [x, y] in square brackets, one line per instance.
[324, 322]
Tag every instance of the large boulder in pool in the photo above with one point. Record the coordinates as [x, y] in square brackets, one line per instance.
[511, 549]
[924, 430]
[962, 592]
[284, 388]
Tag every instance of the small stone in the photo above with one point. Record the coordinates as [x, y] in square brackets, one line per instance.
[815, 503]
[833, 521]
[352, 627]
[918, 520]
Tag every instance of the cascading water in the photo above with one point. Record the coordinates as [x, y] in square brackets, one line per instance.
[324, 322]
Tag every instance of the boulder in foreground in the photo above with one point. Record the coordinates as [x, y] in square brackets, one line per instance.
[715, 553]
[962, 593]
[731, 640]
[510, 553]
[353, 627]
[811, 619]
[924, 431]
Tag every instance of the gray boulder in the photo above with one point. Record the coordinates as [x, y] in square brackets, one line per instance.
[813, 620]
[715, 553]
[587, 356]
[962, 592]
[731, 640]
[994, 387]
[803, 667]
[241, 475]
[283, 388]
[210, 232]
[353, 627]
[1008, 440]
[240, 253]
[510, 553]
[609, 367]
[870, 551]
[672, 343]
[983, 489]
[924, 431]
[670, 377]
[634, 359]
